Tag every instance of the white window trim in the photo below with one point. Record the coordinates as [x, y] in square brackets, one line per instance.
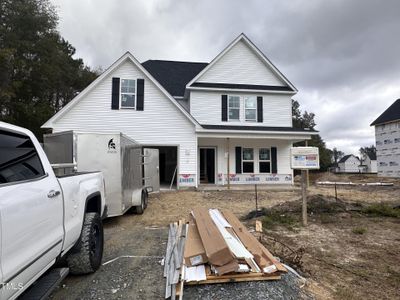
[253, 161]
[244, 106]
[120, 95]
[242, 109]
[239, 108]
[264, 160]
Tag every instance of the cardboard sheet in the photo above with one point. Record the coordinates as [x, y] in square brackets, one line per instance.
[194, 254]
[214, 244]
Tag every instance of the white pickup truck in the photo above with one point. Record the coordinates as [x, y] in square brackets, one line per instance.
[44, 219]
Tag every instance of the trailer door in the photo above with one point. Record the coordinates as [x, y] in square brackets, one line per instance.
[151, 169]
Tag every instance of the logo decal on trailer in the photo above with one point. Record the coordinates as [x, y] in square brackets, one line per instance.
[111, 144]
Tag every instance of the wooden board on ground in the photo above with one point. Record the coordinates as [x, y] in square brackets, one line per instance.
[237, 278]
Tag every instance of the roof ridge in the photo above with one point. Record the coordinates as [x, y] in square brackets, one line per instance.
[176, 61]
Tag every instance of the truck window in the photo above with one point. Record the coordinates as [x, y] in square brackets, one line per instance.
[18, 158]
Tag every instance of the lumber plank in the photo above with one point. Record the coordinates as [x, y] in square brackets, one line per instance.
[259, 251]
[225, 280]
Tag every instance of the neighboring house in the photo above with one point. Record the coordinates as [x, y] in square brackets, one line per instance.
[230, 116]
[387, 137]
[349, 164]
[369, 164]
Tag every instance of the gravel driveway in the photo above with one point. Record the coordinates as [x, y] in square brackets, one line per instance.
[139, 276]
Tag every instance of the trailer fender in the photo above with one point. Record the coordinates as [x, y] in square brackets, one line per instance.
[136, 197]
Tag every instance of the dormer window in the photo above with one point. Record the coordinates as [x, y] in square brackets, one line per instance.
[128, 93]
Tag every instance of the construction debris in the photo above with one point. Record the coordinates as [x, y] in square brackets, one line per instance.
[355, 183]
[215, 247]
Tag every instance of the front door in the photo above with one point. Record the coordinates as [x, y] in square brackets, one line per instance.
[207, 165]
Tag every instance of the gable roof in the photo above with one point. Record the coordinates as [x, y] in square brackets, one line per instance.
[392, 113]
[173, 75]
[372, 156]
[116, 64]
[346, 157]
[267, 62]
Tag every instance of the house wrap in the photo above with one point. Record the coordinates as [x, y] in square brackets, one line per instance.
[387, 137]
[227, 121]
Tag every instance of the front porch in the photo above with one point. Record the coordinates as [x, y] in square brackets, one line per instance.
[248, 157]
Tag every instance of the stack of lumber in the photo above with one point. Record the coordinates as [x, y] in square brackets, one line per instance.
[215, 247]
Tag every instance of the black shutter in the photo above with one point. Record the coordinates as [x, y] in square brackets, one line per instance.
[238, 158]
[140, 95]
[259, 109]
[115, 93]
[274, 168]
[224, 105]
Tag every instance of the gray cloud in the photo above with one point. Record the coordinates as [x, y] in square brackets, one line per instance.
[341, 55]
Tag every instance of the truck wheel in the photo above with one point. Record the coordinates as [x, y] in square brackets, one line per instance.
[85, 257]
[140, 208]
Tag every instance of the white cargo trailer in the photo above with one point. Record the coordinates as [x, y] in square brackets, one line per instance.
[130, 171]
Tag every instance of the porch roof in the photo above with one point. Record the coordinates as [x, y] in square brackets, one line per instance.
[235, 131]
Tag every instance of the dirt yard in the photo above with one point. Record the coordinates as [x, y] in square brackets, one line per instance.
[346, 252]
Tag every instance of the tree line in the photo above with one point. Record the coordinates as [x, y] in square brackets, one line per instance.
[38, 72]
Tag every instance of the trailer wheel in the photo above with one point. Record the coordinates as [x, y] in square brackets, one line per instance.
[85, 257]
[146, 200]
[140, 208]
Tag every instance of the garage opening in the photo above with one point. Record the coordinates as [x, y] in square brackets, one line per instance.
[168, 162]
[207, 165]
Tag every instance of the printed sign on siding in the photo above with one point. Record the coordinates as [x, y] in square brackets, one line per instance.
[304, 158]
[255, 179]
[186, 179]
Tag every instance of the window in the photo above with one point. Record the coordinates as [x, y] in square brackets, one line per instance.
[250, 108]
[18, 158]
[234, 108]
[128, 93]
[264, 159]
[248, 160]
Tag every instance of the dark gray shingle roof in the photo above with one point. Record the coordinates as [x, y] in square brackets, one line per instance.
[173, 75]
[392, 113]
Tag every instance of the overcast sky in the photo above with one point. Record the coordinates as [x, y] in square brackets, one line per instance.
[343, 56]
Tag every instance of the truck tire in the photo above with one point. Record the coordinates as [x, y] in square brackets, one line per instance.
[85, 257]
[140, 208]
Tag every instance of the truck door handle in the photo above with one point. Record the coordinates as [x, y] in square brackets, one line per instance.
[53, 194]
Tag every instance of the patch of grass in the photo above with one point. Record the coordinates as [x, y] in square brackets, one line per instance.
[274, 218]
[359, 230]
[381, 210]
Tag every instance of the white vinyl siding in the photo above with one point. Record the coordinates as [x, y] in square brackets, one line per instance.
[351, 165]
[205, 107]
[241, 65]
[160, 123]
